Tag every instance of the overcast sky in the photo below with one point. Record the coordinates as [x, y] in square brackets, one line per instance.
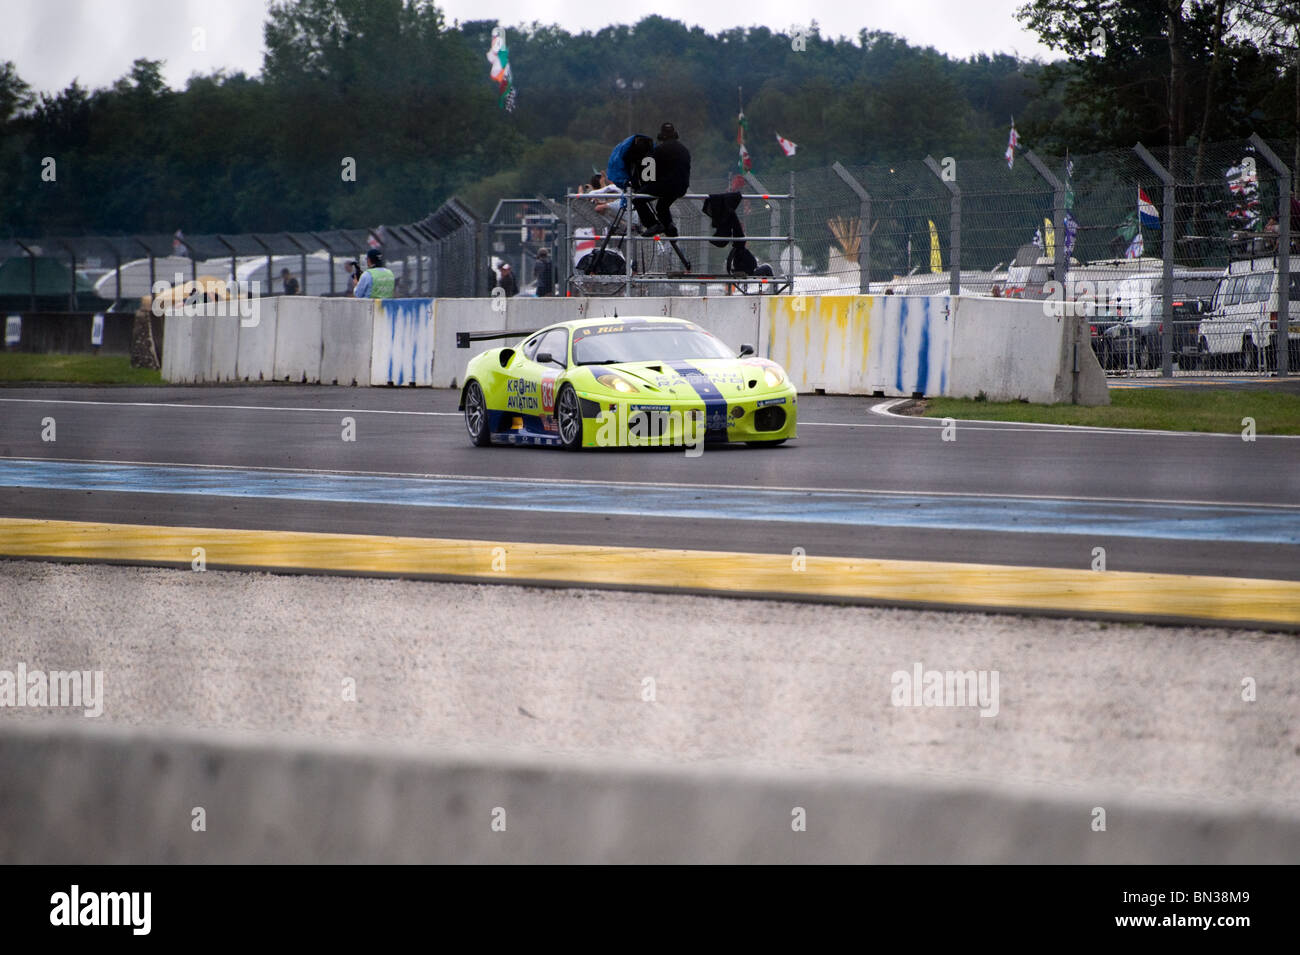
[54, 41]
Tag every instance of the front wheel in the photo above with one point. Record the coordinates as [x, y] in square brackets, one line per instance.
[568, 415]
[476, 416]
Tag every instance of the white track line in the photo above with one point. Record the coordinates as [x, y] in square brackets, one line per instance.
[672, 485]
[968, 424]
[885, 409]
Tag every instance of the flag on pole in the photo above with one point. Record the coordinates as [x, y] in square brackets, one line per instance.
[787, 147]
[936, 260]
[1049, 241]
[1038, 238]
[1243, 184]
[1012, 144]
[498, 56]
[1147, 214]
[1071, 232]
[745, 164]
[1135, 248]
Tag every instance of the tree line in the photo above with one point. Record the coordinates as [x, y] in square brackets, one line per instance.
[394, 87]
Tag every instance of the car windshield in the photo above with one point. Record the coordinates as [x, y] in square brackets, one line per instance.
[651, 341]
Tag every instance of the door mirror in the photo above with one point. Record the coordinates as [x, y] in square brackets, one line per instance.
[746, 350]
[546, 358]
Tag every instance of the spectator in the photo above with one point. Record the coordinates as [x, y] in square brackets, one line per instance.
[508, 280]
[545, 273]
[354, 275]
[376, 281]
[290, 283]
[672, 180]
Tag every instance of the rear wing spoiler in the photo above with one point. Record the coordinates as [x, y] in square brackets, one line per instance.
[463, 339]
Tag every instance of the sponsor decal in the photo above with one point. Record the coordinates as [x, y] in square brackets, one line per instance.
[521, 395]
[770, 401]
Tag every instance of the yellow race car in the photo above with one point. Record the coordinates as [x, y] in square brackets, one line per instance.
[624, 382]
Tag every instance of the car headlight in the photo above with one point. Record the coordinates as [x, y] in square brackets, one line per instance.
[773, 377]
[617, 383]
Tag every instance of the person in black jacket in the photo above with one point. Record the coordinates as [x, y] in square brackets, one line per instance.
[545, 273]
[508, 280]
[672, 180]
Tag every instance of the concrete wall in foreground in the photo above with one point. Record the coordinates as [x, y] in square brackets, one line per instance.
[73, 794]
[898, 346]
[1011, 349]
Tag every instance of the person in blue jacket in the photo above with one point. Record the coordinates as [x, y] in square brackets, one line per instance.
[625, 161]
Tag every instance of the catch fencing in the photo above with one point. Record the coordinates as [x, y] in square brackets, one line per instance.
[435, 256]
[1101, 234]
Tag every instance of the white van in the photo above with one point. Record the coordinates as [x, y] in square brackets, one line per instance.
[1242, 321]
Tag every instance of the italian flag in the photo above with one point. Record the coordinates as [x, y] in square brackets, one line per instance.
[745, 164]
[498, 56]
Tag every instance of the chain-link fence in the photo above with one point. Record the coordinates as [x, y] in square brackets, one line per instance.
[1107, 232]
[436, 256]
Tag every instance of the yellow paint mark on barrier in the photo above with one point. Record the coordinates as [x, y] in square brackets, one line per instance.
[984, 586]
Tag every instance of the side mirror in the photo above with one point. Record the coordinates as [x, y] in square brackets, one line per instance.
[546, 358]
[746, 350]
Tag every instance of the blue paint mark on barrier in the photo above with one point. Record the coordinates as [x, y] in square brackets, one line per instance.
[923, 359]
[947, 347]
[902, 337]
[1253, 524]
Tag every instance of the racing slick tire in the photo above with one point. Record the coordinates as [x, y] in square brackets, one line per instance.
[476, 415]
[568, 418]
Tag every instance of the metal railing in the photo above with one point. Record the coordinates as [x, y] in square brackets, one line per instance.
[655, 264]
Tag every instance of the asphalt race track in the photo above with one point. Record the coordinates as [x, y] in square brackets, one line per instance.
[855, 483]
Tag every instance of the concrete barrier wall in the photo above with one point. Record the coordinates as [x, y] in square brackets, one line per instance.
[1012, 350]
[255, 360]
[403, 341]
[841, 344]
[223, 347]
[298, 339]
[177, 356]
[347, 334]
[822, 341]
[912, 345]
[70, 794]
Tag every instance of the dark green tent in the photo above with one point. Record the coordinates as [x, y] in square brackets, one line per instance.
[53, 285]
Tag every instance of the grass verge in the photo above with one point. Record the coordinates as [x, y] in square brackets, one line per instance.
[1164, 409]
[75, 369]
